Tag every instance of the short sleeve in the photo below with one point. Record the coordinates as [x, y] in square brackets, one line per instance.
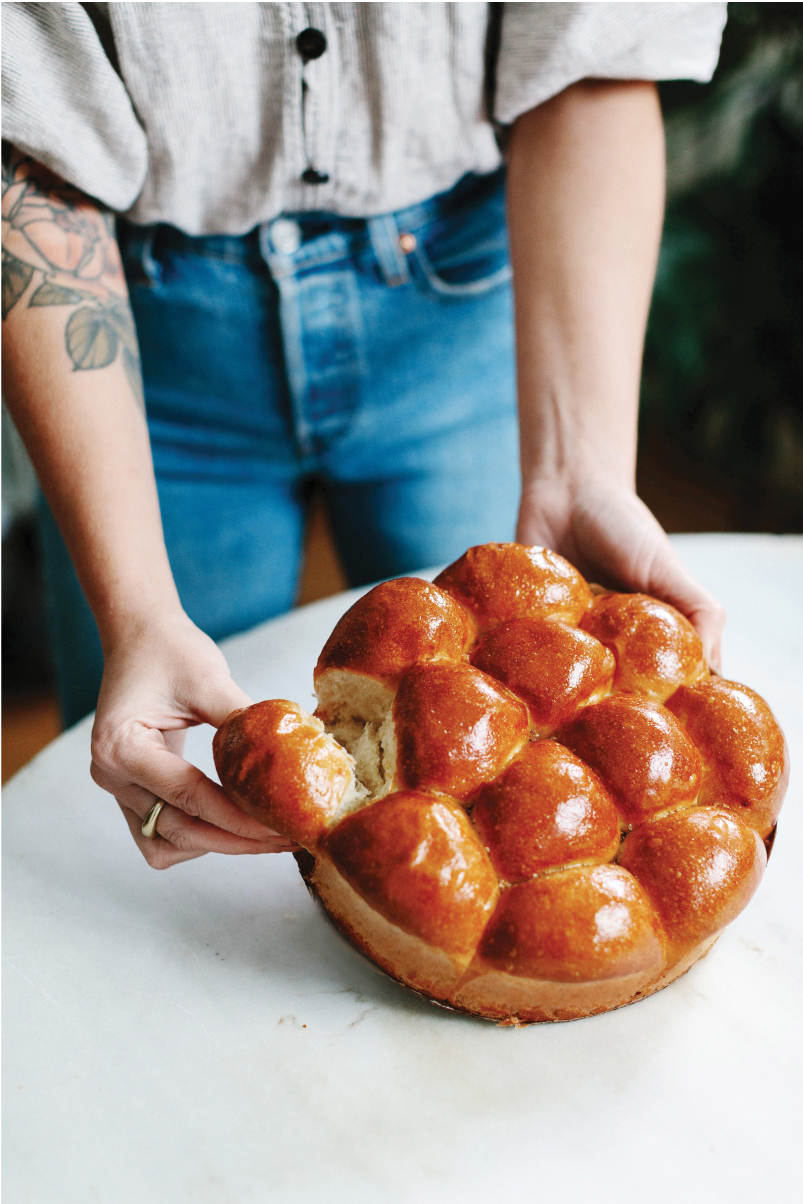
[64, 103]
[545, 47]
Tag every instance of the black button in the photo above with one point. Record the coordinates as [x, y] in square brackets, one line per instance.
[311, 44]
[313, 176]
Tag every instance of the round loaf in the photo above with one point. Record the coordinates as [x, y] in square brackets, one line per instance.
[520, 797]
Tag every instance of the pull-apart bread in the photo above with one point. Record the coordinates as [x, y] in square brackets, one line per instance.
[519, 797]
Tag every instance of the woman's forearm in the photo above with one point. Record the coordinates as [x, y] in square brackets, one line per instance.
[585, 203]
[73, 386]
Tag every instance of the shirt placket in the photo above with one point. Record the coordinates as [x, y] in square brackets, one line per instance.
[315, 34]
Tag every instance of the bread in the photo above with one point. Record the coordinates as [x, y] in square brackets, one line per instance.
[523, 798]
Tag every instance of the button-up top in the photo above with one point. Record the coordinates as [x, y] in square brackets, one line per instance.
[216, 117]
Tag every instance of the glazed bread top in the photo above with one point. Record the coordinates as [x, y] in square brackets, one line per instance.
[455, 728]
[279, 765]
[548, 809]
[526, 774]
[498, 582]
[744, 754]
[657, 649]
[396, 625]
[416, 859]
[554, 668]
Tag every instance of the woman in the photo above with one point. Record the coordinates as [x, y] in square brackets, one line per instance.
[312, 262]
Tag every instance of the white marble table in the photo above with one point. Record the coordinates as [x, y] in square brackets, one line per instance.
[204, 1035]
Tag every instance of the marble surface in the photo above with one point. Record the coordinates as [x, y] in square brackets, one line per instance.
[203, 1035]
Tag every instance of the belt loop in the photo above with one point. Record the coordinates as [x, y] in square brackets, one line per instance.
[138, 243]
[385, 242]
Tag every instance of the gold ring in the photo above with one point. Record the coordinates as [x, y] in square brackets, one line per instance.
[149, 822]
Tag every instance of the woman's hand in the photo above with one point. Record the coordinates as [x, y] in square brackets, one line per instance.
[608, 533]
[160, 679]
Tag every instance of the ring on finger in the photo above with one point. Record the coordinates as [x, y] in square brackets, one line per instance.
[149, 822]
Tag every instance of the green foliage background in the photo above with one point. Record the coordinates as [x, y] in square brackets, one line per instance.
[723, 374]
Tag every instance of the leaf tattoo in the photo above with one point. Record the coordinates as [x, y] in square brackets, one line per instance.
[16, 278]
[121, 320]
[91, 340]
[54, 294]
[133, 371]
[54, 235]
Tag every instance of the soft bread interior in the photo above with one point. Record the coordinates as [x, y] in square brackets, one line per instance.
[355, 793]
[343, 696]
[358, 713]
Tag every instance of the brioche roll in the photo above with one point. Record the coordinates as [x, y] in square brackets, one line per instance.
[547, 810]
[455, 728]
[394, 626]
[643, 756]
[554, 668]
[416, 861]
[657, 649]
[498, 582]
[278, 765]
[700, 867]
[744, 755]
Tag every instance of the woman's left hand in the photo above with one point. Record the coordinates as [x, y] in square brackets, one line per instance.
[607, 532]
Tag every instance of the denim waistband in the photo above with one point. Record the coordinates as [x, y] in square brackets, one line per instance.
[244, 248]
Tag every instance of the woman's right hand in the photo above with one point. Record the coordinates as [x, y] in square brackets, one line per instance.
[160, 679]
[71, 380]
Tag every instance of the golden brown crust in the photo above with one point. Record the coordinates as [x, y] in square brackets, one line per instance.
[657, 649]
[579, 923]
[585, 924]
[744, 754]
[416, 860]
[455, 728]
[554, 668]
[643, 756]
[277, 764]
[502, 581]
[548, 809]
[514, 1001]
[397, 624]
[404, 956]
[699, 866]
[490, 994]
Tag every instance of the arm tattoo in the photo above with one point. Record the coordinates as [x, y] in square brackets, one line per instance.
[58, 241]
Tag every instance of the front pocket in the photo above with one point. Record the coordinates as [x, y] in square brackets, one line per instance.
[477, 279]
[463, 252]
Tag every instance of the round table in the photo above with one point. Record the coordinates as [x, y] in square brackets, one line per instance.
[204, 1035]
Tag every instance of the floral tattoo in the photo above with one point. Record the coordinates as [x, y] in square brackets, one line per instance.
[57, 241]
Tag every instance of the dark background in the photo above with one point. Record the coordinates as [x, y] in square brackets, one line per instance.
[722, 395]
[721, 430]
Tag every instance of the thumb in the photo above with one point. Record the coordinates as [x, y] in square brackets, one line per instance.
[673, 582]
[221, 699]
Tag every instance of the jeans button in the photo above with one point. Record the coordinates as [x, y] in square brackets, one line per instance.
[285, 236]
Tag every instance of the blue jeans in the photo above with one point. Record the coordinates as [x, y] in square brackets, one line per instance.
[315, 350]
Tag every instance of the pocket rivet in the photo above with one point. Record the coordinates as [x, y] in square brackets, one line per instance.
[407, 242]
